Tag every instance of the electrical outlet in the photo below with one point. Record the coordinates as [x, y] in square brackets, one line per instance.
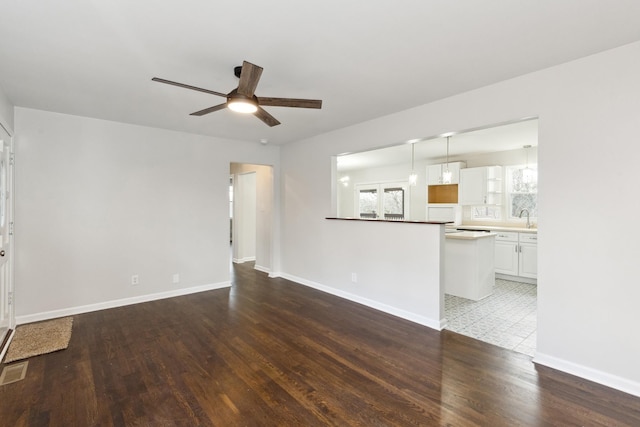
[354, 278]
[176, 278]
[135, 280]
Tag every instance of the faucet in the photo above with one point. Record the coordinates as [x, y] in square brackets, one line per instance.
[520, 216]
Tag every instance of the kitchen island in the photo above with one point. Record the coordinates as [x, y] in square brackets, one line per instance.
[469, 270]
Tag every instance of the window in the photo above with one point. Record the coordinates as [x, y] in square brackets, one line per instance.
[394, 203]
[388, 198]
[522, 191]
[368, 203]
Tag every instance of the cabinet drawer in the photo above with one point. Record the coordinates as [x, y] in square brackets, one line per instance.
[528, 238]
[507, 236]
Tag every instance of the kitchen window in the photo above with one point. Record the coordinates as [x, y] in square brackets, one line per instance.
[522, 191]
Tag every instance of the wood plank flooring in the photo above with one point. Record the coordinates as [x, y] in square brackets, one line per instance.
[268, 352]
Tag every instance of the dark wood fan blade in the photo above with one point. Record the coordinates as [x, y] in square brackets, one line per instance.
[249, 78]
[209, 110]
[290, 102]
[199, 89]
[266, 117]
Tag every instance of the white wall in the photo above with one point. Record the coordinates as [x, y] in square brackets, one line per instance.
[99, 201]
[264, 207]
[397, 267]
[589, 127]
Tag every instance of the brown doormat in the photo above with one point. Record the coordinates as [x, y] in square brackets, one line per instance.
[38, 338]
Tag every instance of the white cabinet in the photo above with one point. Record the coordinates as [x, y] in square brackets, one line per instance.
[434, 172]
[516, 254]
[506, 253]
[528, 259]
[444, 212]
[468, 266]
[480, 186]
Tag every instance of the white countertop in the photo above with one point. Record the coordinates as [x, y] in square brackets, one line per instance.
[469, 235]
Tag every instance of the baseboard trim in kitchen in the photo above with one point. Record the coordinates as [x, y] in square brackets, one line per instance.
[517, 279]
[600, 377]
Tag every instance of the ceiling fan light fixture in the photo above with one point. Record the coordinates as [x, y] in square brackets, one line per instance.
[243, 99]
[242, 105]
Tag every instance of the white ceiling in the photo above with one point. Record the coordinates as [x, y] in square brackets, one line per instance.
[364, 59]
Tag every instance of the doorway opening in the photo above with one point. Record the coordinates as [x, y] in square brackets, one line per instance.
[505, 314]
[7, 315]
[251, 195]
[482, 179]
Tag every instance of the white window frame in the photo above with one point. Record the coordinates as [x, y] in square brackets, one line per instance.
[509, 192]
[380, 187]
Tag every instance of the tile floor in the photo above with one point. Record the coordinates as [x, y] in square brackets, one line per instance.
[507, 318]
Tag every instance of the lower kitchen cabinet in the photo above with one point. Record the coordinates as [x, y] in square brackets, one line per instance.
[528, 255]
[516, 254]
[506, 253]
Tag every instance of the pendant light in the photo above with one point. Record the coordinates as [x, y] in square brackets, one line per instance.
[528, 174]
[413, 176]
[446, 173]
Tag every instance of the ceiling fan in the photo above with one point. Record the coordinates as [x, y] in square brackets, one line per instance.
[243, 100]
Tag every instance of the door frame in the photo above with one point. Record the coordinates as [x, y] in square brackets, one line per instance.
[265, 193]
[7, 291]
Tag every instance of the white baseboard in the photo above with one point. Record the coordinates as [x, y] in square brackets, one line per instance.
[403, 314]
[587, 373]
[117, 303]
[275, 274]
[517, 278]
[263, 269]
[243, 260]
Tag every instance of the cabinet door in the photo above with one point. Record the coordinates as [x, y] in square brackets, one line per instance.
[506, 258]
[528, 260]
[434, 174]
[473, 186]
[454, 168]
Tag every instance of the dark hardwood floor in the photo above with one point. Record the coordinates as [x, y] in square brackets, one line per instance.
[269, 352]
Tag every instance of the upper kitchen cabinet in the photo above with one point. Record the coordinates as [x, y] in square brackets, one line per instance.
[434, 172]
[480, 186]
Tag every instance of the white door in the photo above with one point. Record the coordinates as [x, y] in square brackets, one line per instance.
[7, 321]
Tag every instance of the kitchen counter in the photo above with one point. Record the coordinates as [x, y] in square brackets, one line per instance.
[469, 235]
[469, 264]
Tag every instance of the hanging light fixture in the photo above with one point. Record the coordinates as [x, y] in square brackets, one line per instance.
[413, 176]
[528, 174]
[446, 173]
